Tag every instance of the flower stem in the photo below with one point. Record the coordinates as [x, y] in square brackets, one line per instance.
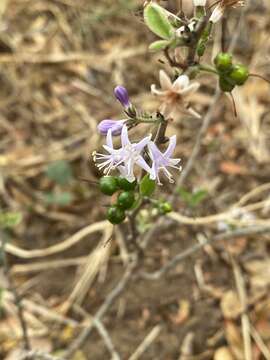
[208, 68]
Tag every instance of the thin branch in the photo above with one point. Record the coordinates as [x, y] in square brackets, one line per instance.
[260, 343]
[38, 355]
[240, 285]
[160, 137]
[110, 299]
[17, 298]
[249, 231]
[196, 149]
[147, 341]
[107, 339]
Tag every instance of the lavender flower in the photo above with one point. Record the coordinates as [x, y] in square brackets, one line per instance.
[111, 160]
[121, 95]
[115, 125]
[132, 155]
[163, 160]
[125, 158]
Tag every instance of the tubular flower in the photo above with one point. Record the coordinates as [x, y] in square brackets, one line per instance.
[121, 95]
[173, 95]
[163, 160]
[132, 155]
[124, 158]
[115, 125]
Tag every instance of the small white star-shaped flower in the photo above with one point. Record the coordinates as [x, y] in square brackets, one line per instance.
[174, 95]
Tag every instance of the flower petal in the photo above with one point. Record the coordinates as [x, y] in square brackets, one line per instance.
[109, 140]
[140, 145]
[165, 81]
[170, 149]
[156, 154]
[155, 91]
[190, 89]
[180, 83]
[124, 136]
[143, 164]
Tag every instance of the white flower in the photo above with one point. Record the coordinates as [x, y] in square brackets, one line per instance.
[217, 14]
[199, 2]
[174, 95]
[221, 7]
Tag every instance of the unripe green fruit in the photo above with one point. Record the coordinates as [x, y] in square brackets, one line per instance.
[126, 199]
[223, 62]
[225, 85]
[108, 185]
[239, 74]
[115, 215]
[165, 208]
[124, 184]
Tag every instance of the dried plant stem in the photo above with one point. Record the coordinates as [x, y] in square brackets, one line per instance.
[196, 149]
[260, 343]
[107, 339]
[110, 299]
[17, 298]
[160, 137]
[240, 285]
[38, 355]
[147, 341]
[249, 231]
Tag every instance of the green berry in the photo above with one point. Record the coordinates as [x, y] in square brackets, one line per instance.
[225, 85]
[108, 185]
[115, 215]
[239, 74]
[126, 199]
[165, 208]
[223, 62]
[124, 184]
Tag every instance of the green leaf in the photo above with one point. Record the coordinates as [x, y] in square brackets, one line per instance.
[159, 45]
[185, 195]
[61, 199]
[147, 186]
[156, 19]
[10, 219]
[198, 197]
[60, 172]
[192, 199]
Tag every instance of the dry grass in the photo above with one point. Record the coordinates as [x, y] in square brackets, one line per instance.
[59, 61]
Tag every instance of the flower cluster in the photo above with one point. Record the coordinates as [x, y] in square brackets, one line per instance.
[129, 155]
[183, 41]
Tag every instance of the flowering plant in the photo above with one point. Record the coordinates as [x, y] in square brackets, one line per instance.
[134, 168]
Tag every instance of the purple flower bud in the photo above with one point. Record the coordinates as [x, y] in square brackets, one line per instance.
[121, 95]
[115, 125]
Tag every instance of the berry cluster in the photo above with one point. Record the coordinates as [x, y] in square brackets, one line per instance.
[230, 74]
[109, 185]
